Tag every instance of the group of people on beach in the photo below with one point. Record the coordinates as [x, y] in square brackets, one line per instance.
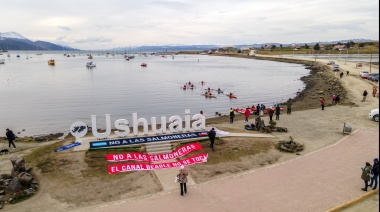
[370, 174]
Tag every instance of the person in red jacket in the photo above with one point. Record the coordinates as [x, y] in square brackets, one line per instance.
[247, 113]
[322, 103]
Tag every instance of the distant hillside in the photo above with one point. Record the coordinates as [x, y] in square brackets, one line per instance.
[15, 41]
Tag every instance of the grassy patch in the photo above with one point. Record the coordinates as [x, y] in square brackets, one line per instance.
[97, 163]
[232, 149]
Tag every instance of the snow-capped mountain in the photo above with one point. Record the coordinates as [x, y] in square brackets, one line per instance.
[15, 41]
[12, 35]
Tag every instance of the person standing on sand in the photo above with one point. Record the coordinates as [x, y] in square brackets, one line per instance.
[247, 113]
[374, 173]
[211, 135]
[374, 90]
[289, 107]
[11, 137]
[347, 73]
[341, 74]
[322, 101]
[278, 112]
[258, 109]
[333, 99]
[232, 115]
[365, 175]
[270, 114]
[365, 93]
[182, 179]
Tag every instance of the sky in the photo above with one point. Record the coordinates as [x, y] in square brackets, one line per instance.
[97, 24]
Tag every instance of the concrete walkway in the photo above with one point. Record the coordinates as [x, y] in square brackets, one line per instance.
[314, 182]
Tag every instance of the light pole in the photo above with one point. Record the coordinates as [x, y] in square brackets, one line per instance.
[329, 55]
[340, 50]
[358, 55]
[346, 57]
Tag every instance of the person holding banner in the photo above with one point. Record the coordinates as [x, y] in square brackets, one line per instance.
[182, 179]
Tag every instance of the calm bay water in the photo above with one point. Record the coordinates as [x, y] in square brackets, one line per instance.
[46, 99]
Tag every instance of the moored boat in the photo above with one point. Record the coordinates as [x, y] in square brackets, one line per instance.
[90, 65]
[2, 61]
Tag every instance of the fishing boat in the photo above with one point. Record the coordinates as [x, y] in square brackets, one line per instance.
[90, 65]
[51, 62]
[144, 64]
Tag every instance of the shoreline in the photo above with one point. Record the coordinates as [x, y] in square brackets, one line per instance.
[304, 100]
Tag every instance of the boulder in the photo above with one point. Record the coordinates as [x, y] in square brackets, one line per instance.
[25, 178]
[5, 176]
[18, 164]
[13, 186]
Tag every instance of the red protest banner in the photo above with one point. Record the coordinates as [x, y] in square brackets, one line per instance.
[114, 169]
[183, 150]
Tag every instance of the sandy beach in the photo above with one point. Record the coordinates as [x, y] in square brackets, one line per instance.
[307, 124]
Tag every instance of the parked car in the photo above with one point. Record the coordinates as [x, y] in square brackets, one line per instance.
[374, 114]
[364, 75]
[363, 72]
[370, 76]
[336, 67]
[375, 78]
[331, 63]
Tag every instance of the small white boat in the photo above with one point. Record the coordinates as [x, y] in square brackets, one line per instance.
[2, 61]
[90, 65]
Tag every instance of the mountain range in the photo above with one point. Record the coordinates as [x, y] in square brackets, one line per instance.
[15, 41]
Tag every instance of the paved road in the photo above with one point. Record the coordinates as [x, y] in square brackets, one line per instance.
[314, 182]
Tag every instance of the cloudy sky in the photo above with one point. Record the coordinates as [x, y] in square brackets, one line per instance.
[100, 24]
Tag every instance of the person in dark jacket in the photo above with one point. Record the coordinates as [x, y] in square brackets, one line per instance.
[271, 112]
[232, 115]
[289, 107]
[258, 108]
[11, 137]
[374, 173]
[211, 135]
[365, 93]
[278, 112]
[365, 175]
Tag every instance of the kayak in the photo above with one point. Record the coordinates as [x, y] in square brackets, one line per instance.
[209, 95]
[231, 96]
